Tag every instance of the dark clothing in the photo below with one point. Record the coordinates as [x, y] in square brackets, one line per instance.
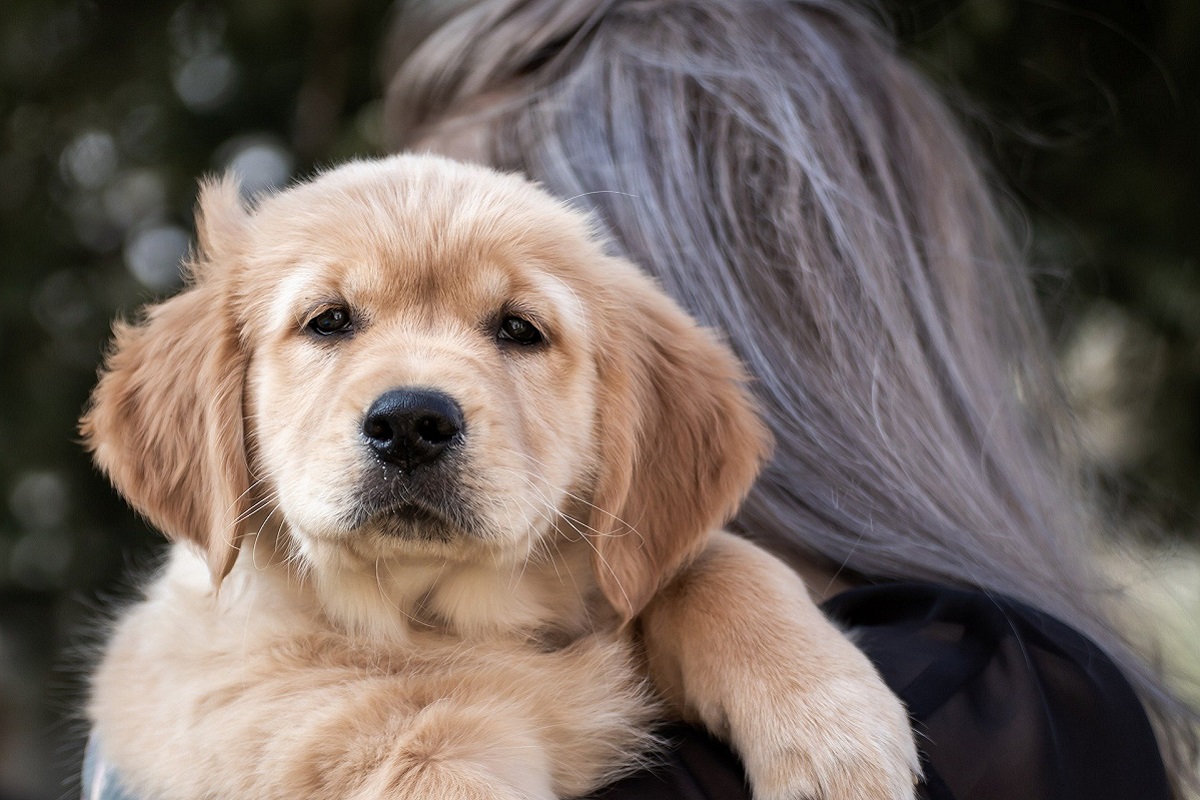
[1007, 702]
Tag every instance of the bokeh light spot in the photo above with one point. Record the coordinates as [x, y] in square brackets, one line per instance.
[39, 499]
[153, 256]
[262, 162]
[90, 160]
[205, 82]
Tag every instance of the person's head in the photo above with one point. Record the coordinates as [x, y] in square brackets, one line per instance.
[794, 182]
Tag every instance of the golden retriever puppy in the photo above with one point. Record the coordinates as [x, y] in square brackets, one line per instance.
[448, 480]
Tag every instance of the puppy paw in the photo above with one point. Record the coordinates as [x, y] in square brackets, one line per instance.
[841, 739]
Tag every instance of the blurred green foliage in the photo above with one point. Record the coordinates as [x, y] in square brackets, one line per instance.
[1090, 110]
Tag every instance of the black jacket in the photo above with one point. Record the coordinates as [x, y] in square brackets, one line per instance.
[1007, 702]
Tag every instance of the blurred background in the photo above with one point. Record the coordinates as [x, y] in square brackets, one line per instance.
[109, 111]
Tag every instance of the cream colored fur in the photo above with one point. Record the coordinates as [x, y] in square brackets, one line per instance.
[573, 589]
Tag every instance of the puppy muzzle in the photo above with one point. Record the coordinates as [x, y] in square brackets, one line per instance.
[414, 436]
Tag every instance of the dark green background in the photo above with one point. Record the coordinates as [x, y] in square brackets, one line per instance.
[111, 110]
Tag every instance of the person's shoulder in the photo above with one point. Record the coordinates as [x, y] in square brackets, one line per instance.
[1006, 700]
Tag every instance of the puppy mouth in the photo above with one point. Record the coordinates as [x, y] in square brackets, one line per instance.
[431, 504]
[415, 521]
[414, 517]
[414, 514]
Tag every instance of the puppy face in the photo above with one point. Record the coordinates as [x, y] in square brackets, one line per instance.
[422, 376]
[419, 359]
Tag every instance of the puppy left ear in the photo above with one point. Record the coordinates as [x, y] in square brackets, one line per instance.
[165, 421]
[680, 446]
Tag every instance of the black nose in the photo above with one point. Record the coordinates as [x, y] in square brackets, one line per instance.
[409, 427]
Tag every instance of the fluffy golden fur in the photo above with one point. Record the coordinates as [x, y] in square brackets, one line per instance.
[504, 619]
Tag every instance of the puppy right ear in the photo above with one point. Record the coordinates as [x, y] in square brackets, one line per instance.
[165, 421]
[680, 444]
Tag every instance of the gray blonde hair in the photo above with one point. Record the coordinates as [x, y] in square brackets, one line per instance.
[796, 184]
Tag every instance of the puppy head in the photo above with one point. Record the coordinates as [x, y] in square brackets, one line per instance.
[419, 359]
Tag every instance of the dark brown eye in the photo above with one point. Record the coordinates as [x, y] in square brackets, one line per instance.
[520, 331]
[331, 321]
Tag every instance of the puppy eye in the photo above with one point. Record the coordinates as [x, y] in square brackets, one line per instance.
[331, 321]
[520, 331]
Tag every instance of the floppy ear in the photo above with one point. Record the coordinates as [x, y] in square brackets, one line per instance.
[165, 421]
[680, 445]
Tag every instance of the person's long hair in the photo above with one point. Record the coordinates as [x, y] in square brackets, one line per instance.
[796, 184]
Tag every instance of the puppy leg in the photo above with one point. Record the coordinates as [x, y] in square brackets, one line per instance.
[737, 644]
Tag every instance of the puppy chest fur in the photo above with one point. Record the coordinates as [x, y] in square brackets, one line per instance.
[259, 670]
